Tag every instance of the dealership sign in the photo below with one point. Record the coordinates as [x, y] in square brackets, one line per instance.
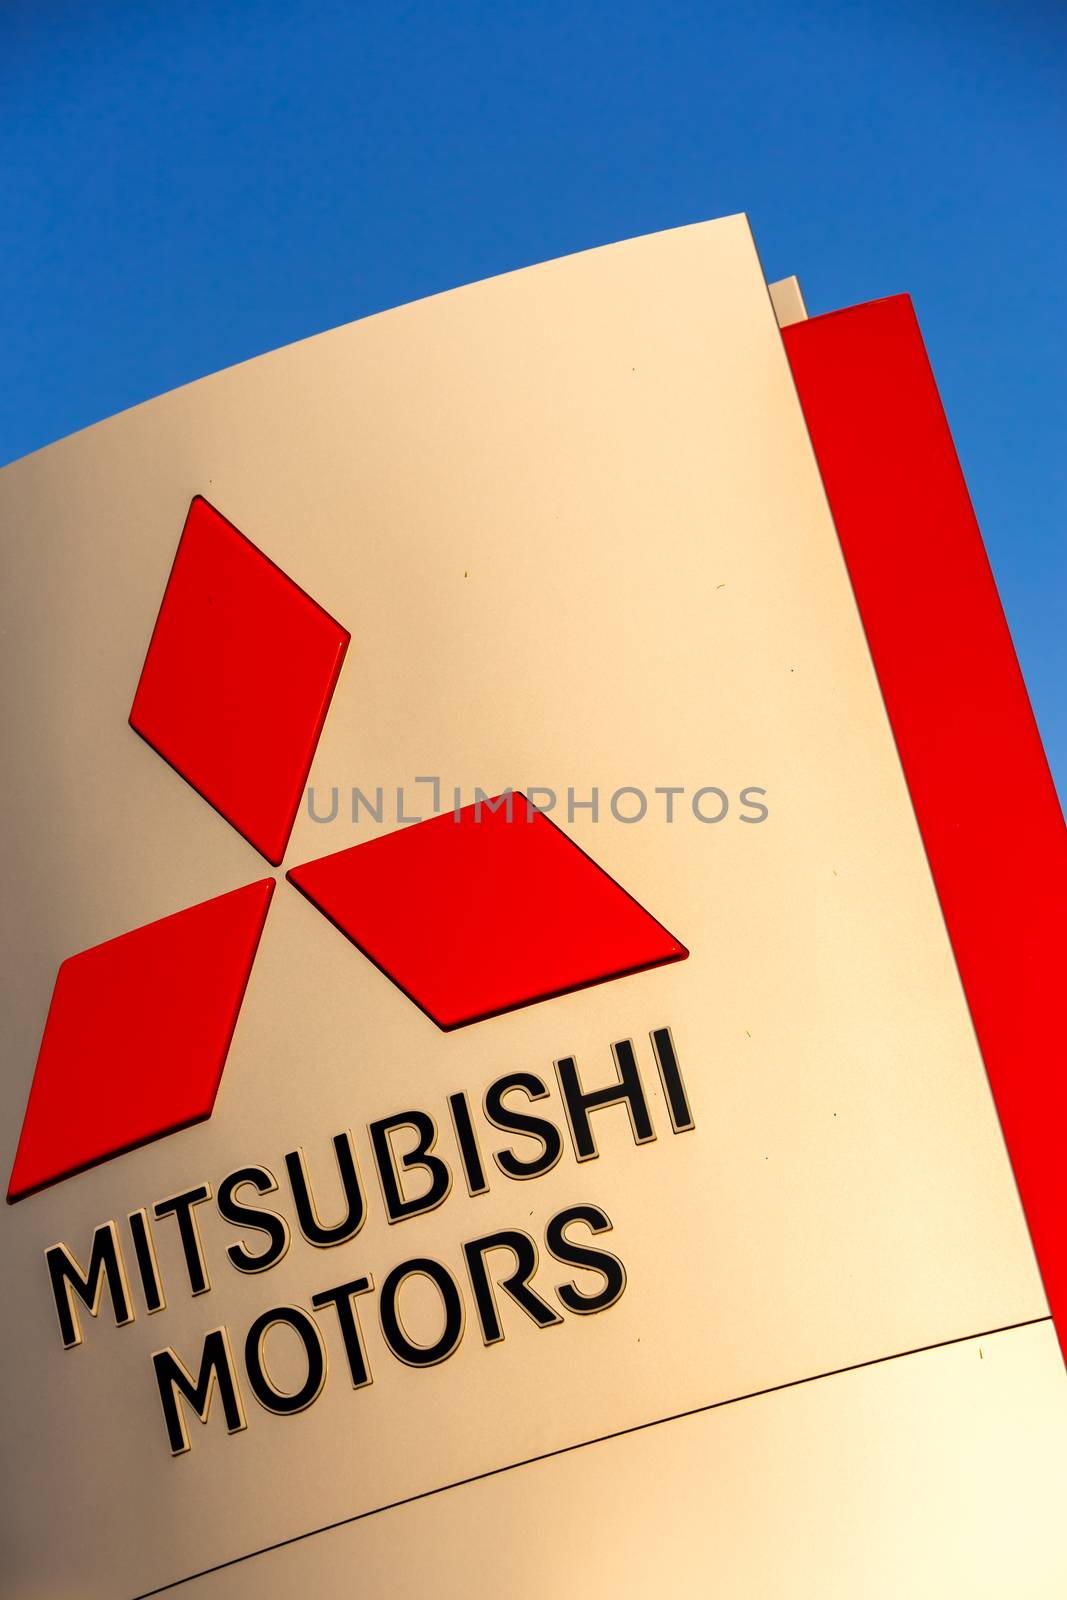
[504, 959]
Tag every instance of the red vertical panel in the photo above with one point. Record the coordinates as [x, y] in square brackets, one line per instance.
[971, 752]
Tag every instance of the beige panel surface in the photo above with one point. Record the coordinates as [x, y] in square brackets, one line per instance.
[787, 298]
[574, 524]
[935, 1476]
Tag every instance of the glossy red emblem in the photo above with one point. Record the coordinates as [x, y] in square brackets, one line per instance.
[238, 679]
[137, 1036]
[472, 914]
[469, 917]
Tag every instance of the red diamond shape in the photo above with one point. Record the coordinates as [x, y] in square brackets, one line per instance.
[137, 1036]
[238, 679]
[480, 915]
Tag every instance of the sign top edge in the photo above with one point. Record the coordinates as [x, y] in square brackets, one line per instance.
[733, 221]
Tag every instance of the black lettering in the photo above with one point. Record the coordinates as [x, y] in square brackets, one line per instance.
[396, 1206]
[245, 1216]
[404, 1348]
[216, 1372]
[467, 1141]
[314, 1231]
[181, 1207]
[517, 1285]
[563, 1249]
[670, 1073]
[307, 1331]
[510, 1121]
[147, 1265]
[342, 1299]
[105, 1267]
[625, 1090]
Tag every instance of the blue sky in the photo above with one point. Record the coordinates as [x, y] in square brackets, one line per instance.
[185, 186]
